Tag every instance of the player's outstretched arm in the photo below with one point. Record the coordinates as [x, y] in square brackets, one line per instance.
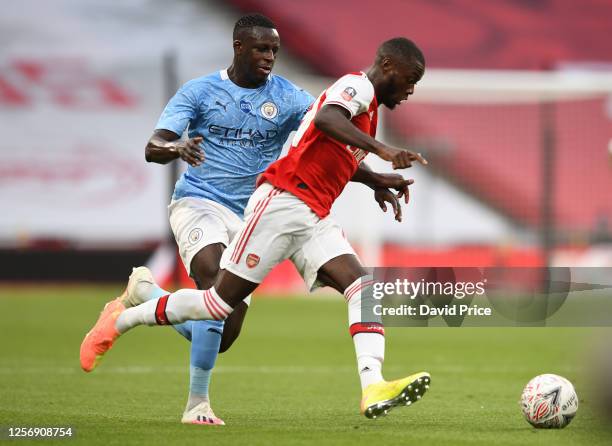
[165, 146]
[334, 121]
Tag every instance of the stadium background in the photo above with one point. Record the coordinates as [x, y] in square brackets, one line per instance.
[77, 112]
[521, 157]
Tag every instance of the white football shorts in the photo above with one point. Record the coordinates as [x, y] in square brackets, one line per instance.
[280, 226]
[197, 222]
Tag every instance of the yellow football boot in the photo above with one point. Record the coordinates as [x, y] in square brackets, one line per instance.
[379, 398]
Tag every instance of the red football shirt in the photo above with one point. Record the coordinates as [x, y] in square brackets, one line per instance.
[317, 167]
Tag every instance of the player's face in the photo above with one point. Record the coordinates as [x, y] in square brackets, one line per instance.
[402, 79]
[257, 53]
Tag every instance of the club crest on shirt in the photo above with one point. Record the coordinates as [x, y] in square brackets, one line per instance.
[348, 93]
[246, 106]
[252, 260]
[195, 235]
[269, 110]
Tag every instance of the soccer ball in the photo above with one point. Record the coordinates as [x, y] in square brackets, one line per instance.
[549, 401]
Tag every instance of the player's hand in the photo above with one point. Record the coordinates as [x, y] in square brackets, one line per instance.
[384, 196]
[189, 151]
[396, 182]
[401, 158]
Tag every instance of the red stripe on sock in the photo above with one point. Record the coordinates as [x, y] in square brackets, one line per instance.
[349, 295]
[217, 306]
[350, 289]
[208, 306]
[160, 311]
[367, 327]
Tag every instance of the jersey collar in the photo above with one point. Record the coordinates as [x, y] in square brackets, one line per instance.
[225, 77]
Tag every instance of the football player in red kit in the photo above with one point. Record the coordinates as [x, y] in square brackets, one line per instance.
[288, 217]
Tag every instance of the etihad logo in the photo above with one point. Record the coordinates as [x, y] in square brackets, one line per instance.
[233, 133]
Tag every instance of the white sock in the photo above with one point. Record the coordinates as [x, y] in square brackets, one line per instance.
[178, 307]
[368, 337]
[370, 351]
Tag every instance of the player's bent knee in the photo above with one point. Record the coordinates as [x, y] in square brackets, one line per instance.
[355, 271]
[205, 275]
[205, 265]
[342, 271]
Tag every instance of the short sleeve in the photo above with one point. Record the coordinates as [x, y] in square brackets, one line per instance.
[179, 111]
[352, 92]
[303, 101]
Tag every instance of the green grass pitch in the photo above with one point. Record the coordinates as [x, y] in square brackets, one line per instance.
[290, 379]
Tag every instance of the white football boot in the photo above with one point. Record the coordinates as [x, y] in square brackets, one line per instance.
[202, 414]
[137, 290]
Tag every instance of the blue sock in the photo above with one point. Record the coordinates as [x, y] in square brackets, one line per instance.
[205, 342]
[199, 379]
[205, 338]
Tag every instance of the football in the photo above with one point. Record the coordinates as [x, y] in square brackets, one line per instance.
[549, 402]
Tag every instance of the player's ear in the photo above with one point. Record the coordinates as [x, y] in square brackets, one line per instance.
[387, 65]
[237, 46]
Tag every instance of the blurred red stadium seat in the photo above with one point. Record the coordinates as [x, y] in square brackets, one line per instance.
[494, 152]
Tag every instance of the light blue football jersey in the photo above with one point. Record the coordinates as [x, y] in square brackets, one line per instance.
[243, 129]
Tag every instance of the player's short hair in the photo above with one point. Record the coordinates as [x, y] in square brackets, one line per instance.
[404, 50]
[251, 21]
